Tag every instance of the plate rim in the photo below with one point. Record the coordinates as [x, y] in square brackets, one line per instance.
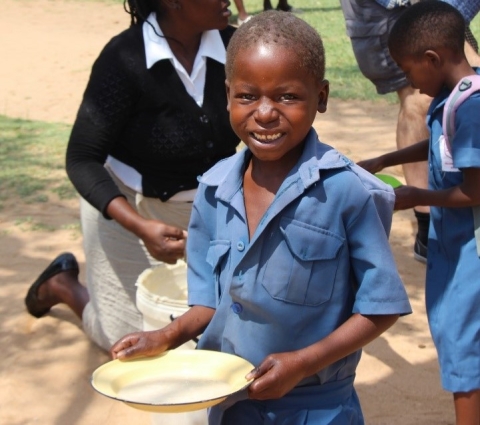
[170, 405]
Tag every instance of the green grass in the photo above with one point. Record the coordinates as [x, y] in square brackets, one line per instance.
[346, 81]
[32, 156]
[32, 153]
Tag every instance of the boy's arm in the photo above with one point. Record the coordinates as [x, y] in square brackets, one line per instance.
[414, 153]
[146, 344]
[279, 373]
[463, 195]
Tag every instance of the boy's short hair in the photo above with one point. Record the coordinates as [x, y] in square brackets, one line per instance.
[427, 25]
[285, 29]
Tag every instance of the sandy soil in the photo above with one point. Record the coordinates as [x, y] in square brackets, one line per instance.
[47, 49]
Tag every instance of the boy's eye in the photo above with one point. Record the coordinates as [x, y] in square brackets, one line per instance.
[246, 96]
[287, 96]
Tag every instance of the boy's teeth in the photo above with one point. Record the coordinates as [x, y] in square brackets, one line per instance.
[267, 137]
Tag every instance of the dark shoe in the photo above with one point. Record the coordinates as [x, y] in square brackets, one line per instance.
[62, 263]
[420, 251]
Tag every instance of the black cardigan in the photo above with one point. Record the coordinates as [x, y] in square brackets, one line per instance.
[146, 119]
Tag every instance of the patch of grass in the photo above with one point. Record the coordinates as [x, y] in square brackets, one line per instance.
[32, 155]
[28, 224]
[326, 16]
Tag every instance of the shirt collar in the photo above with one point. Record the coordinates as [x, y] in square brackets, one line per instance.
[227, 174]
[157, 48]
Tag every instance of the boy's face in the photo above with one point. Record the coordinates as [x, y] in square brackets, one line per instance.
[272, 100]
[422, 72]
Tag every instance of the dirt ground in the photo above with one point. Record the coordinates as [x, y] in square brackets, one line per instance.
[47, 49]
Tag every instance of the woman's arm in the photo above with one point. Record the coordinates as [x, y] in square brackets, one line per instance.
[106, 109]
[163, 242]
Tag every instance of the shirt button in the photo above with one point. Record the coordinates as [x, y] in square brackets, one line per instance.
[237, 308]
[204, 119]
[209, 144]
[240, 246]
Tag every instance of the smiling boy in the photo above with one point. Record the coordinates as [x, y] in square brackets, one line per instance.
[288, 254]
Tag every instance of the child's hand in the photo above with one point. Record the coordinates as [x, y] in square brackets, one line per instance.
[138, 344]
[373, 165]
[276, 376]
[407, 197]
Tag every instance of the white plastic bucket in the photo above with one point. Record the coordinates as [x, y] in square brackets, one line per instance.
[162, 294]
[161, 297]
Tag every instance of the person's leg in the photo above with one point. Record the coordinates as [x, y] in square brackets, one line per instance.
[65, 288]
[472, 56]
[283, 5]
[242, 13]
[467, 408]
[412, 128]
[267, 5]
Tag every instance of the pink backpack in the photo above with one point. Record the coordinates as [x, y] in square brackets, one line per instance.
[465, 87]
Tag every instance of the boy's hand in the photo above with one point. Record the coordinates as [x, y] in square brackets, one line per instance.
[407, 197]
[138, 344]
[373, 165]
[275, 376]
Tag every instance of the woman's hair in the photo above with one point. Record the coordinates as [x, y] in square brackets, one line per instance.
[284, 29]
[140, 9]
[427, 25]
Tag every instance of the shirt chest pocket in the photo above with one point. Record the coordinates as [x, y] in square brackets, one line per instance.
[217, 257]
[302, 265]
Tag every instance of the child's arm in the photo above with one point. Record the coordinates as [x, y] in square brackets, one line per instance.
[184, 328]
[463, 195]
[414, 153]
[279, 373]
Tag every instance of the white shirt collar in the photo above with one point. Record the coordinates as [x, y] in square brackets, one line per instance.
[157, 48]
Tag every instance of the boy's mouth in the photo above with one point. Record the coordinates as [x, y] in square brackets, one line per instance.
[266, 137]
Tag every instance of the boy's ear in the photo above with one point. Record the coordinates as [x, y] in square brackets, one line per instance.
[433, 58]
[227, 87]
[324, 90]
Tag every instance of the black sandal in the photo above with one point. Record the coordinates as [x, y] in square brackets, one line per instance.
[64, 262]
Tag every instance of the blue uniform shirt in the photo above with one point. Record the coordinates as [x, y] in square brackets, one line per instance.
[319, 254]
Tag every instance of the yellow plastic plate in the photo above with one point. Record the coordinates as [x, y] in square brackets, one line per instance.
[176, 381]
[388, 179]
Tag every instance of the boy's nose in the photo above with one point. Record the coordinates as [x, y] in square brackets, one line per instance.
[266, 111]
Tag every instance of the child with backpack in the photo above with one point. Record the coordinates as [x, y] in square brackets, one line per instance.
[427, 43]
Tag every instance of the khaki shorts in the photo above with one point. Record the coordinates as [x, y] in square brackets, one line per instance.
[368, 25]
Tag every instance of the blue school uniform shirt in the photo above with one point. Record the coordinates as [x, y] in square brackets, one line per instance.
[319, 254]
[453, 268]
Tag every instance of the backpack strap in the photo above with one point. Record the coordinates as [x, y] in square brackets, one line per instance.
[465, 87]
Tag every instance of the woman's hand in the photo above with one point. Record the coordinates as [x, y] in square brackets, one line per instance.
[276, 376]
[164, 243]
[139, 344]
